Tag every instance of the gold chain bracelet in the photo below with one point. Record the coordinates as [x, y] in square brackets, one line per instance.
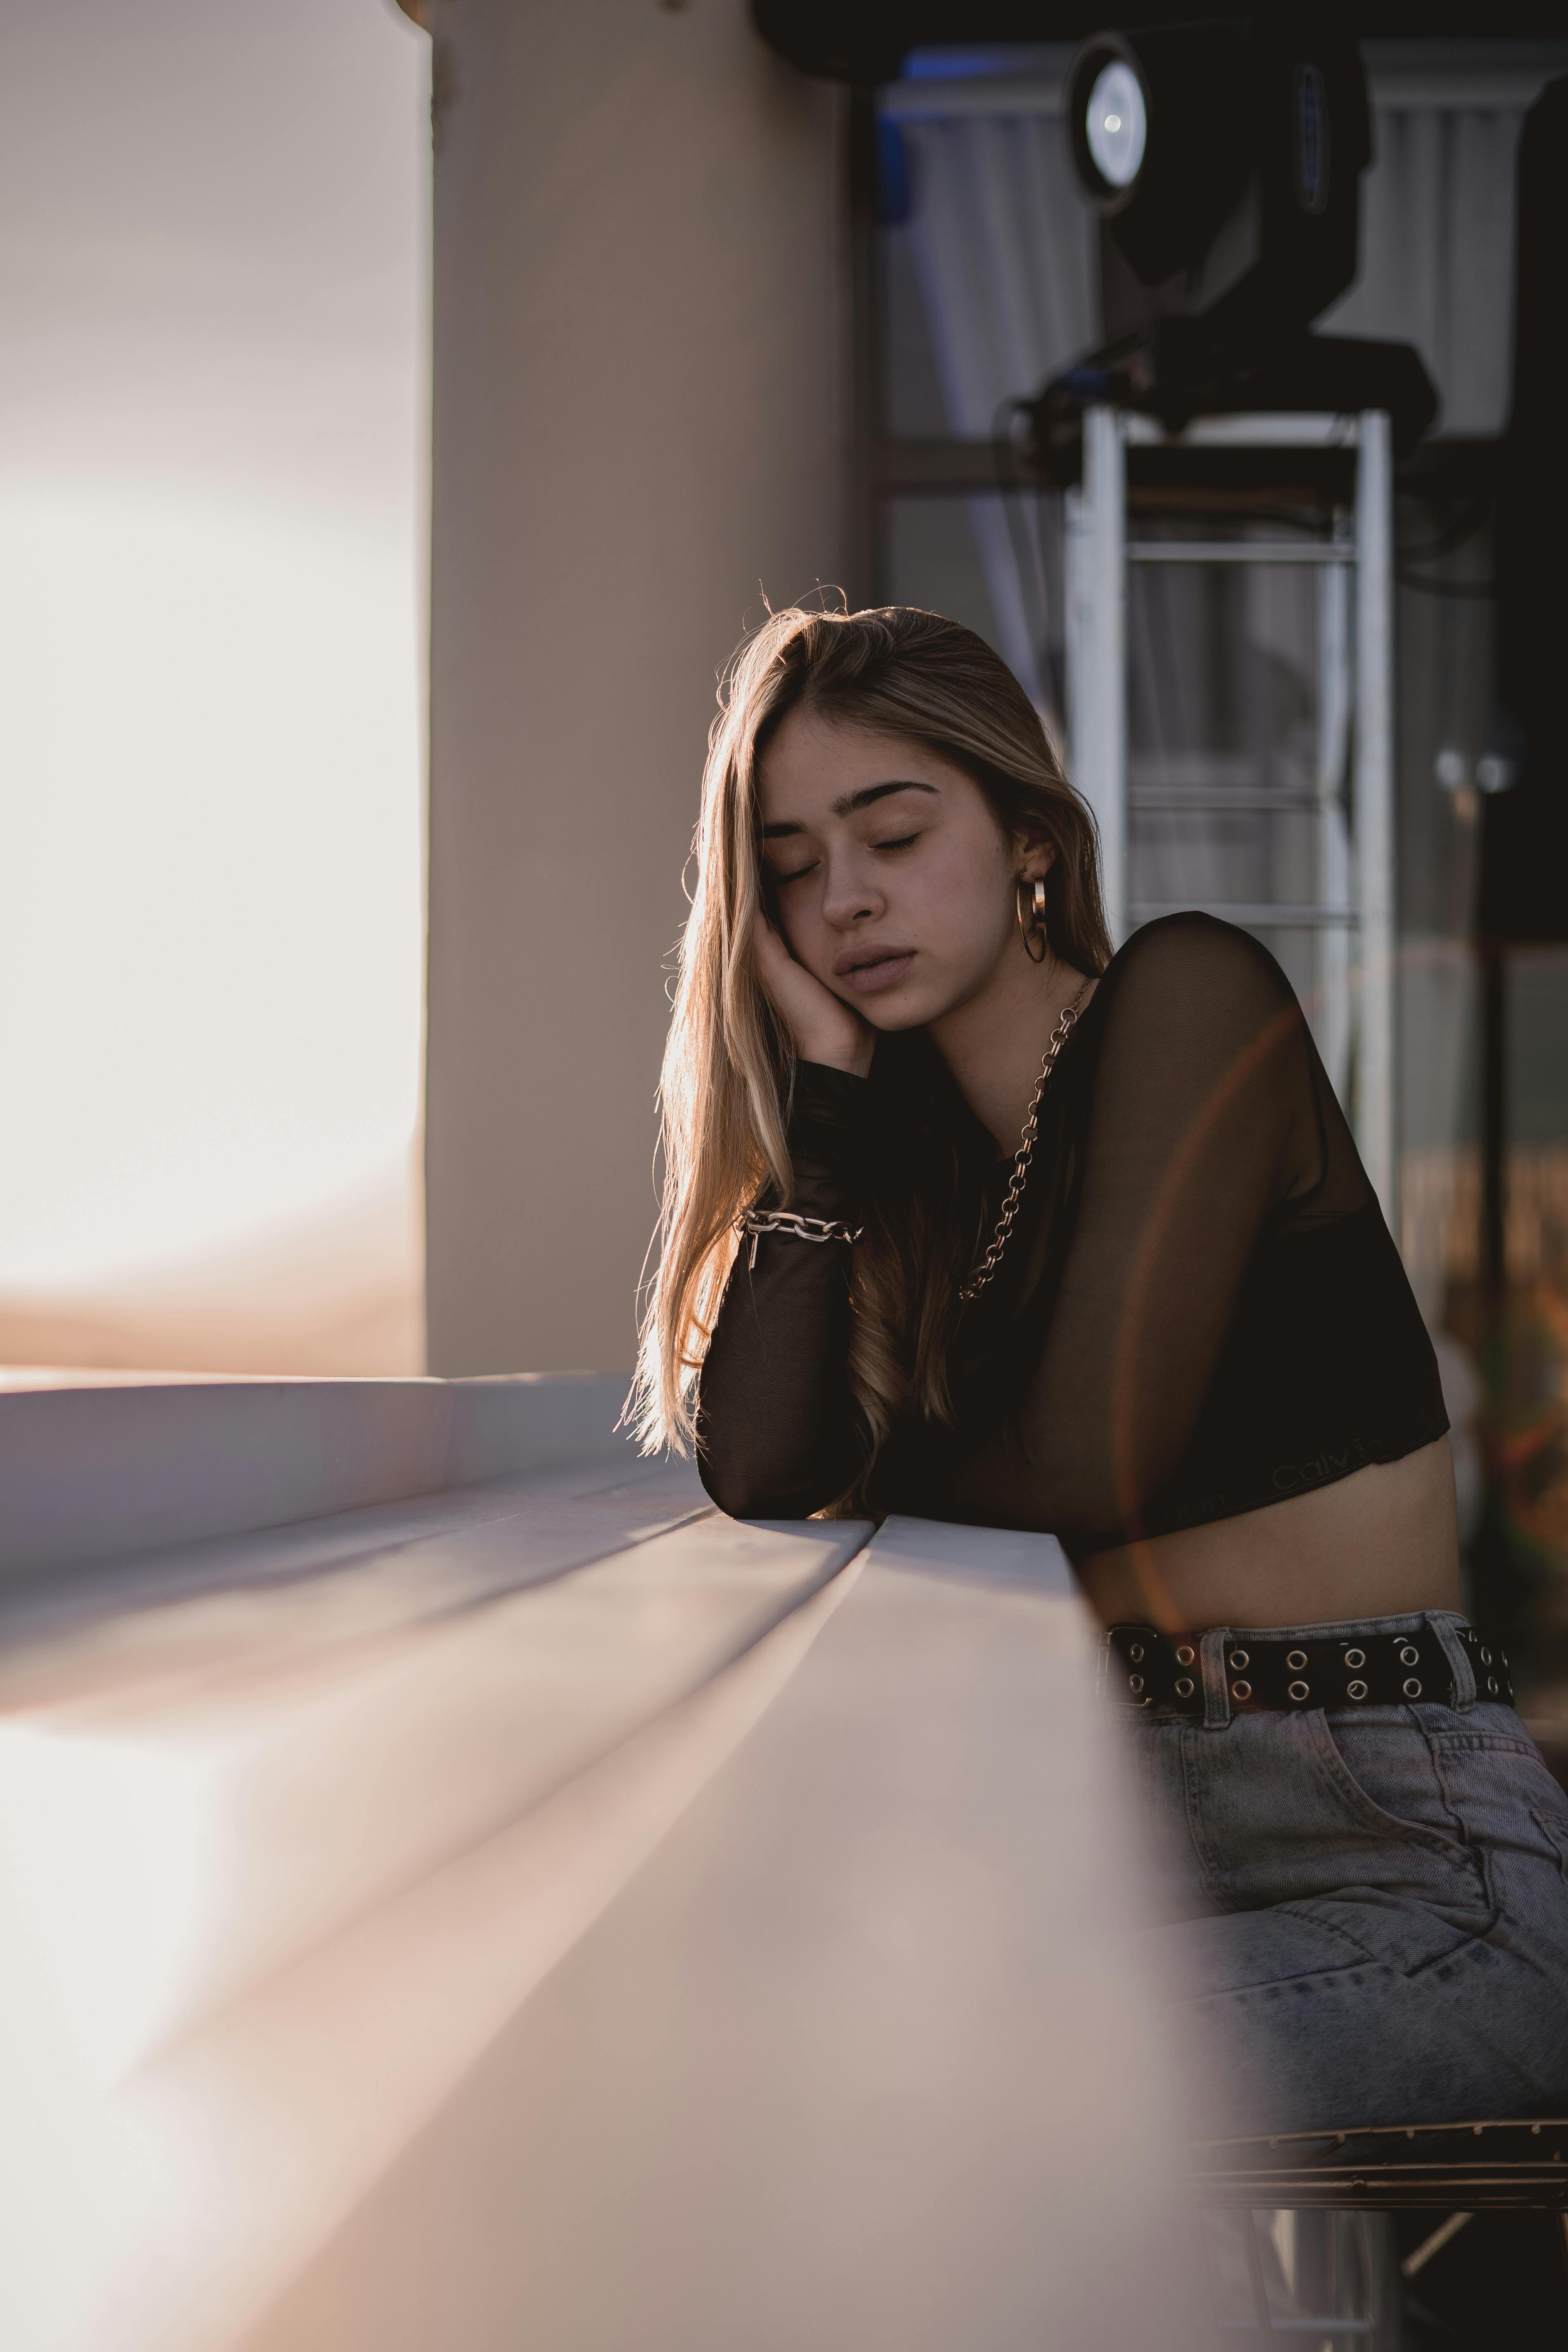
[981, 1273]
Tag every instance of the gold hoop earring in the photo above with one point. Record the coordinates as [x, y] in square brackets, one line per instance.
[1033, 919]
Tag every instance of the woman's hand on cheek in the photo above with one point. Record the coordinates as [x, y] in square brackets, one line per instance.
[825, 1029]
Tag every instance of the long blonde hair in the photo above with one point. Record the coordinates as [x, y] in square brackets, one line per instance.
[729, 1063]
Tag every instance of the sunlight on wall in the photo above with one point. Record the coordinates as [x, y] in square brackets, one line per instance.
[212, 263]
[205, 909]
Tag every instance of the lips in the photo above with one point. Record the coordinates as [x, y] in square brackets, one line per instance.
[874, 969]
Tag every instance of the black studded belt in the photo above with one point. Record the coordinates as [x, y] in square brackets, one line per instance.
[1142, 1668]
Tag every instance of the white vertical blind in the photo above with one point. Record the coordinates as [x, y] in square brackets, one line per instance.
[1003, 249]
[1438, 210]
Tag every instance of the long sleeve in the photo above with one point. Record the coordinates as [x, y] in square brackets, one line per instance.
[1205, 1121]
[778, 1431]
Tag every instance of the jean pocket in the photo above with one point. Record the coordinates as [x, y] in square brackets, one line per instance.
[1384, 1776]
[1554, 1830]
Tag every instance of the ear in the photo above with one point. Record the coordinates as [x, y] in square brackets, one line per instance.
[1036, 856]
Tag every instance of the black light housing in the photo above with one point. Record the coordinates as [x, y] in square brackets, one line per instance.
[1226, 161]
[1247, 186]
[1193, 168]
[862, 42]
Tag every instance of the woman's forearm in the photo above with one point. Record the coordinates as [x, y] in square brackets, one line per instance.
[779, 1435]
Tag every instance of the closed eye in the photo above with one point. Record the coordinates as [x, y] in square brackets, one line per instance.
[903, 841]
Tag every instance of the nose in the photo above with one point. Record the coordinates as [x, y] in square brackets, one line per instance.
[850, 893]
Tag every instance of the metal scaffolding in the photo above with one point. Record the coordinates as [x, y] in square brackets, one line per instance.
[1350, 910]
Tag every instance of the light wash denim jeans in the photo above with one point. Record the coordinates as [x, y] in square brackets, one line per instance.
[1366, 1908]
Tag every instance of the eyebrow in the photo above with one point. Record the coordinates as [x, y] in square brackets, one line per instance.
[851, 803]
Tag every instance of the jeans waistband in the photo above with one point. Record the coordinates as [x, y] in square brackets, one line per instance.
[1431, 1654]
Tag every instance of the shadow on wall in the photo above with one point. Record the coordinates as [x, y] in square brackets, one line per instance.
[342, 1292]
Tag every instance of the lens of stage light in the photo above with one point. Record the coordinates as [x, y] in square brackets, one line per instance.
[1116, 124]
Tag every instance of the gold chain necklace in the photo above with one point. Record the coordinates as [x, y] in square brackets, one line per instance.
[980, 1274]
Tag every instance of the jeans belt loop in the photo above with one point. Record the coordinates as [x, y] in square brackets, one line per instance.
[1443, 1624]
[1217, 1686]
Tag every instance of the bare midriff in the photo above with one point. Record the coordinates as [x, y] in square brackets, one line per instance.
[1382, 1543]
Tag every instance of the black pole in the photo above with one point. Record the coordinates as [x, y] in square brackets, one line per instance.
[1494, 1125]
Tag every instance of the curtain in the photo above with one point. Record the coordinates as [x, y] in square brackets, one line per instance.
[1004, 245]
[1438, 210]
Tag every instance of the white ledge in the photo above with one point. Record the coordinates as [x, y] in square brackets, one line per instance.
[89, 1472]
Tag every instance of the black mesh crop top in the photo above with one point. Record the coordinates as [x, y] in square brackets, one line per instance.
[1200, 1309]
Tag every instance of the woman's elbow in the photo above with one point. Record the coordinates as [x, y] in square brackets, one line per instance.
[758, 1490]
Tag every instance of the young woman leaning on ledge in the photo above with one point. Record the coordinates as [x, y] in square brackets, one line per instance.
[968, 1217]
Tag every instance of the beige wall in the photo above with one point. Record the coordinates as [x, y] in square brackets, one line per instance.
[640, 395]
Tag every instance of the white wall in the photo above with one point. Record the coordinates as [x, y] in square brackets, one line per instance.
[213, 257]
[640, 355]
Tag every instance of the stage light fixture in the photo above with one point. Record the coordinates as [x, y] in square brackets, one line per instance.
[1224, 158]
[1180, 156]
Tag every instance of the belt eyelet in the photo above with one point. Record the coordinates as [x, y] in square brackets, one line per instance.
[1298, 1691]
[1296, 1660]
[1185, 1655]
[1135, 1684]
[1408, 1656]
[1135, 1651]
[1355, 1690]
[1355, 1657]
[1239, 1659]
[1412, 1688]
[1241, 1691]
[1491, 1683]
[1185, 1687]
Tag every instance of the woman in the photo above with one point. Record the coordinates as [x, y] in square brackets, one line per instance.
[969, 1218]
